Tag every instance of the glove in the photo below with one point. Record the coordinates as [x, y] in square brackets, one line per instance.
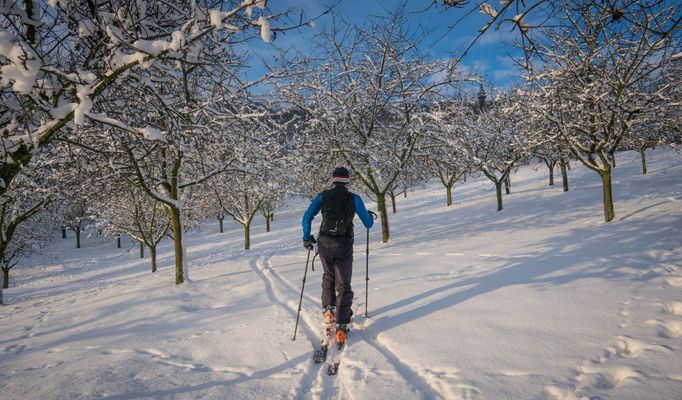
[310, 243]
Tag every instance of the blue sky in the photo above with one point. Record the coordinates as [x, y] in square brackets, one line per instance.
[489, 58]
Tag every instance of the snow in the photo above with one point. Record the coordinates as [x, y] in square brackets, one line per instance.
[542, 300]
[156, 47]
[215, 18]
[152, 133]
[84, 105]
[23, 68]
[265, 32]
[63, 110]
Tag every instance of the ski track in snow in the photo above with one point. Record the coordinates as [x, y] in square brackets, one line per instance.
[424, 382]
[312, 380]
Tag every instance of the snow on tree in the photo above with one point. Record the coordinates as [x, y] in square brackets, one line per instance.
[364, 92]
[497, 139]
[60, 59]
[178, 153]
[24, 227]
[594, 66]
[257, 180]
[660, 125]
[444, 150]
[128, 210]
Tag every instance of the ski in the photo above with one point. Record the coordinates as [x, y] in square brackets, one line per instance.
[335, 360]
[337, 350]
[333, 368]
[320, 354]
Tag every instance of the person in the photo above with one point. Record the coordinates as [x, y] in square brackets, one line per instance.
[335, 247]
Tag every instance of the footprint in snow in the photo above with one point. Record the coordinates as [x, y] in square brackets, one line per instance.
[675, 281]
[629, 347]
[667, 329]
[612, 377]
[673, 308]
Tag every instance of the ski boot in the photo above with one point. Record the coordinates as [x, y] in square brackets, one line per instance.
[341, 335]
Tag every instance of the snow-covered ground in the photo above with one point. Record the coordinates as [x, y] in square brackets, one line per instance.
[540, 301]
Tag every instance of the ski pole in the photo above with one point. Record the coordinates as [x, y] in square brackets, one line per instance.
[374, 216]
[300, 301]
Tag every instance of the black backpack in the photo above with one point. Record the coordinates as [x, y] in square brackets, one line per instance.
[338, 210]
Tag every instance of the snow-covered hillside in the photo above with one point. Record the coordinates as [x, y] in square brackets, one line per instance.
[540, 301]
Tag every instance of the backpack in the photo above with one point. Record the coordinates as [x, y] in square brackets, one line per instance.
[338, 210]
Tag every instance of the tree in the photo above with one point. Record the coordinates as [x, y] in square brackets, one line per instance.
[445, 151]
[259, 146]
[22, 230]
[660, 125]
[59, 59]
[364, 93]
[498, 138]
[594, 65]
[130, 211]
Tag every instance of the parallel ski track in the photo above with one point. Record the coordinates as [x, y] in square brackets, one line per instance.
[313, 380]
[316, 375]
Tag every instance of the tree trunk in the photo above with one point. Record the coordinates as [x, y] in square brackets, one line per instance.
[118, 241]
[141, 250]
[247, 235]
[551, 173]
[564, 174]
[381, 205]
[507, 185]
[220, 220]
[2, 284]
[498, 190]
[267, 223]
[448, 189]
[405, 192]
[63, 233]
[176, 226]
[78, 238]
[642, 153]
[5, 278]
[393, 201]
[612, 158]
[152, 252]
[608, 195]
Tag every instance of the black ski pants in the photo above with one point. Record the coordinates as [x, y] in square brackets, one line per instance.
[336, 255]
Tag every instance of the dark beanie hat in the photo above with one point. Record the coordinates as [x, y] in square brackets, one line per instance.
[340, 175]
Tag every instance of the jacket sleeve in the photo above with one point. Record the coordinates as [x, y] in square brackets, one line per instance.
[361, 211]
[309, 214]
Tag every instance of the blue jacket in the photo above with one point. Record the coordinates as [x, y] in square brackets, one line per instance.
[316, 204]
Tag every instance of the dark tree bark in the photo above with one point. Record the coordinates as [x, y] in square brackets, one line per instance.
[381, 205]
[564, 173]
[221, 218]
[609, 213]
[642, 153]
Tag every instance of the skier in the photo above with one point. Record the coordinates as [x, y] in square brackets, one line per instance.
[335, 247]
